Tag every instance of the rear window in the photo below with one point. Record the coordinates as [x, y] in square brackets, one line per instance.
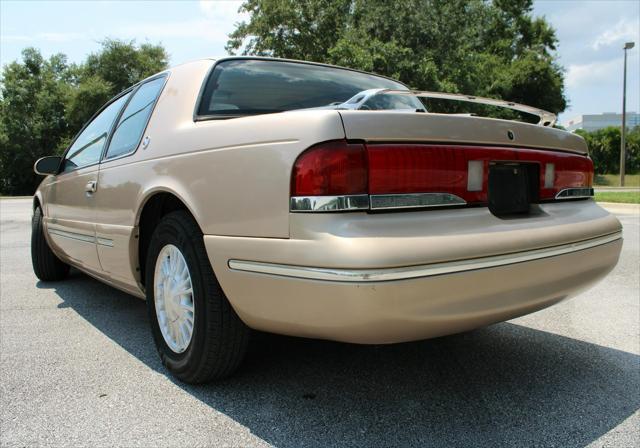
[249, 87]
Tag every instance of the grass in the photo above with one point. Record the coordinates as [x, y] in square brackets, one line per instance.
[613, 180]
[626, 197]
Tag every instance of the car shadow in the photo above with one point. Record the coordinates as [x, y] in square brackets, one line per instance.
[505, 385]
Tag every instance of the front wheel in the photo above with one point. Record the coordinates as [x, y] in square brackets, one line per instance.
[46, 265]
[197, 333]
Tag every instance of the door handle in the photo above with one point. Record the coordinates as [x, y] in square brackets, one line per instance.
[91, 187]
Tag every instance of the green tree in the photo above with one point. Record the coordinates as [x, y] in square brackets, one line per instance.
[481, 47]
[604, 149]
[32, 117]
[45, 102]
[117, 66]
[633, 150]
[123, 63]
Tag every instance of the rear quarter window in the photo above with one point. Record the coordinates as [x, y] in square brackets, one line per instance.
[248, 87]
[134, 119]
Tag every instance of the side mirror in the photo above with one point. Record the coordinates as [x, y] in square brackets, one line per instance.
[47, 165]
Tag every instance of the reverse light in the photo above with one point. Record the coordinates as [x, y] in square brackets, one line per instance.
[475, 175]
[549, 175]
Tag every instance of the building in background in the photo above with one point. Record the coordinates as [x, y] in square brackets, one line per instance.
[599, 121]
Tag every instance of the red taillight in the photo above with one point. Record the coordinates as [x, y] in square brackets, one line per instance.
[439, 174]
[571, 171]
[419, 168]
[329, 169]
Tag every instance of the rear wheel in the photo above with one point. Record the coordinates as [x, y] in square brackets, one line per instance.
[197, 333]
[46, 265]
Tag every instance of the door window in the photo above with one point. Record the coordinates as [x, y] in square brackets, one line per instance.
[88, 146]
[133, 121]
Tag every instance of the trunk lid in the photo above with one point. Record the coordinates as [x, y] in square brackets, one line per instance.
[400, 126]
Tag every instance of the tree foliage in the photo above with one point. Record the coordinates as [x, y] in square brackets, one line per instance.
[32, 117]
[480, 47]
[604, 149]
[117, 66]
[45, 102]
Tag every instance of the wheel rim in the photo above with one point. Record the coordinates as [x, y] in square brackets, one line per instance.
[173, 296]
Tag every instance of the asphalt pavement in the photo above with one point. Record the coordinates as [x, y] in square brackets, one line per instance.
[78, 368]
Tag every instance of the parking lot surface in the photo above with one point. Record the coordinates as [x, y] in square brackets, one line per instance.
[78, 368]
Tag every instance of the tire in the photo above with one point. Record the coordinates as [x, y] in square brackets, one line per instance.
[218, 340]
[46, 265]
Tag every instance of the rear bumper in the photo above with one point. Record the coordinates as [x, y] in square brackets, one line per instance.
[409, 272]
[275, 285]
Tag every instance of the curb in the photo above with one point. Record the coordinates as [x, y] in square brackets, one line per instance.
[620, 207]
[621, 189]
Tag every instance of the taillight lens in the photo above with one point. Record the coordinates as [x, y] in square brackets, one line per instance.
[423, 175]
[417, 168]
[570, 171]
[332, 168]
[464, 170]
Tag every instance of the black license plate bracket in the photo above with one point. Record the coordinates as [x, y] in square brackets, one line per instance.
[511, 188]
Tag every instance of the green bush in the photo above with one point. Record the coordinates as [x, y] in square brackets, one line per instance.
[604, 149]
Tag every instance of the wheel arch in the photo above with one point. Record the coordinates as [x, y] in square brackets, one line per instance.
[157, 203]
[37, 201]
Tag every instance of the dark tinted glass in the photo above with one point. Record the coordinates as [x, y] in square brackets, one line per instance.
[241, 87]
[391, 102]
[87, 147]
[134, 119]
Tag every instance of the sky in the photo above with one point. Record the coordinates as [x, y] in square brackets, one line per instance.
[591, 35]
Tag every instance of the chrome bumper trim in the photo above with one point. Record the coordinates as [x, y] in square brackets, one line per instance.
[329, 203]
[359, 202]
[414, 200]
[408, 272]
[575, 193]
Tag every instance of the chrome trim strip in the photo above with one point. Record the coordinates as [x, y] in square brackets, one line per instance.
[409, 272]
[104, 241]
[399, 201]
[82, 237]
[373, 202]
[414, 200]
[575, 193]
[73, 235]
[329, 203]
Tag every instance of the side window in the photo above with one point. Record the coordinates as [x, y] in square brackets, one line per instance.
[87, 147]
[133, 121]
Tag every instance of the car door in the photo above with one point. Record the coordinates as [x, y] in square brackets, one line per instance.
[119, 185]
[70, 197]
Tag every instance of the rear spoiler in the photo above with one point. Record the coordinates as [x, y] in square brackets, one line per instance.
[546, 118]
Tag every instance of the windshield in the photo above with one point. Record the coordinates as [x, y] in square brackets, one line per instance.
[252, 86]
